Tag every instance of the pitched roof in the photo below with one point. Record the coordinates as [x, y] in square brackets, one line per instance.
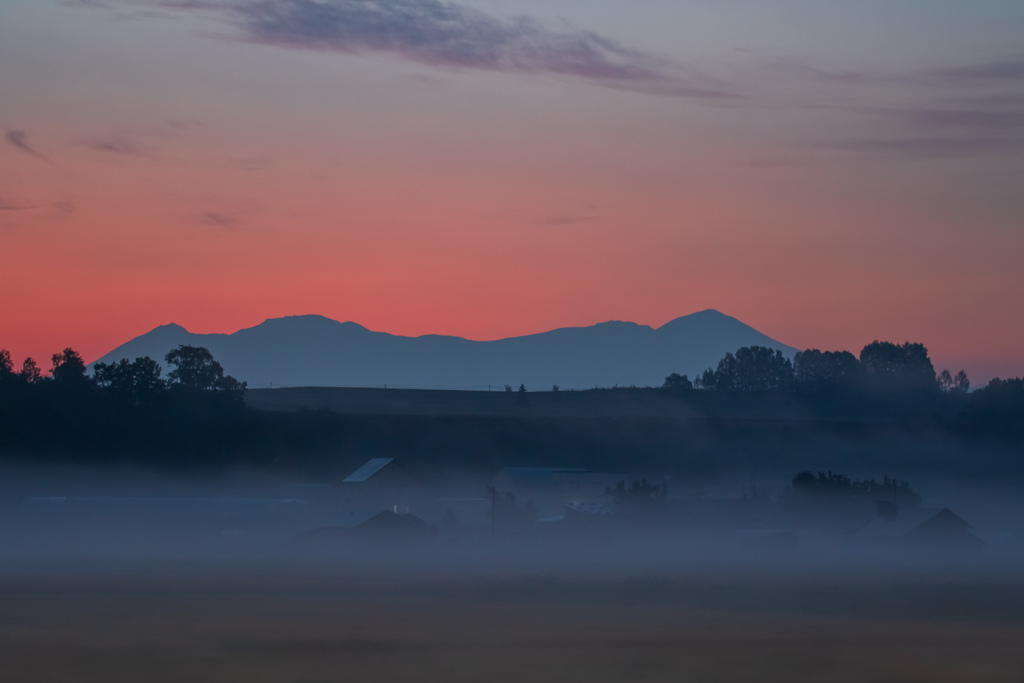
[370, 468]
[906, 521]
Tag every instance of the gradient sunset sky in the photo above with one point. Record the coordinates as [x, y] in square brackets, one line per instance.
[830, 172]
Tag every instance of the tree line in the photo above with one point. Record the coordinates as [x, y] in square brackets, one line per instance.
[125, 405]
[138, 381]
[193, 415]
[883, 368]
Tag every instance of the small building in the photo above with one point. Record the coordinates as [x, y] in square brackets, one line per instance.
[381, 484]
[925, 528]
[380, 470]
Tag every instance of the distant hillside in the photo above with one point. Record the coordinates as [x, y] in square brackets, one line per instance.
[312, 350]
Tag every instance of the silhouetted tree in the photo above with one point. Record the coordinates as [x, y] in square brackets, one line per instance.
[831, 487]
[137, 382]
[196, 369]
[677, 382]
[900, 367]
[961, 385]
[754, 369]
[706, 380]
[30, 373]
[1002, 393]
[6, 366]
[825, 371]
[522, 388]
[68, 368]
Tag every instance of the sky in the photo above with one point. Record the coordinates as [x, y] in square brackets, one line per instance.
[829, 172]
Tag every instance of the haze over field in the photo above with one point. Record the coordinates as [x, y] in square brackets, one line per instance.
[316, 351]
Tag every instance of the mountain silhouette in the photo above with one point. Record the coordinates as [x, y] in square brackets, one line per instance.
[311, 350]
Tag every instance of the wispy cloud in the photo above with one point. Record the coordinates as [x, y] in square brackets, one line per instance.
[218, 219]
[769, 162]
[565, 219]
[11, 206]
[994, 72]
[450, 35]
[932, 146]
[118, 145]
[967, 129]
[950, 111]
[65, 207]
[19, 140]
[1007, 120]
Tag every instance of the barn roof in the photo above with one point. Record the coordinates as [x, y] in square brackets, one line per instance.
[370, 468]
[907, 520]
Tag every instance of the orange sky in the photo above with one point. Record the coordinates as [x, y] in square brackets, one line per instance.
[166, 169]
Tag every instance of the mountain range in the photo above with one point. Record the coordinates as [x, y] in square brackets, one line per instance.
[311, 350]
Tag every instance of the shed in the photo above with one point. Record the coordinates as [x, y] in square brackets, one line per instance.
[381, 483]
[922, 527]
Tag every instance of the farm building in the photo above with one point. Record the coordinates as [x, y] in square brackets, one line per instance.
[934, 528]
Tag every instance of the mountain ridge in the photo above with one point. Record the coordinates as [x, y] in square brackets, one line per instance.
[314, 350]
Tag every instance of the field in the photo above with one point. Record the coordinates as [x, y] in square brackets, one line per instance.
[263, 622]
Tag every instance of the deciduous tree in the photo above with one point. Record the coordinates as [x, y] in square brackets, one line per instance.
[68, 368]
[902, 367]
[196, 369]
[137, 382]
[825, 371]
[30, 373]
[754, 369]
[677, 382]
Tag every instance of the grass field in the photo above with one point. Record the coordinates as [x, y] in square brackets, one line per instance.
[255, 624]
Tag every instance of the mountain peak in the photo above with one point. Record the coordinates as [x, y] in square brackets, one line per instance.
[169, 327]
[305, 322]
[708, 316]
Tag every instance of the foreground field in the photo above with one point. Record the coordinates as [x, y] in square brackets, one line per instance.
[254, 624]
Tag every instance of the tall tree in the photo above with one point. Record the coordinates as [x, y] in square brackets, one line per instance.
[195, 368]
[6, 366]
[677, 382]
[825, 371]
[961, 385]
[754, 369]
[30, 373]
[137, 382]
[68, 368]
[900, 367]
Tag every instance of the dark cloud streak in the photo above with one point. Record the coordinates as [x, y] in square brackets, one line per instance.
[116, 145]
[932, 146]
[218, 219]
[1007, 71]
[968, 119]
[956, 111]
[449, 35]
[8, 206]
[564, 220]
[19, 140]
